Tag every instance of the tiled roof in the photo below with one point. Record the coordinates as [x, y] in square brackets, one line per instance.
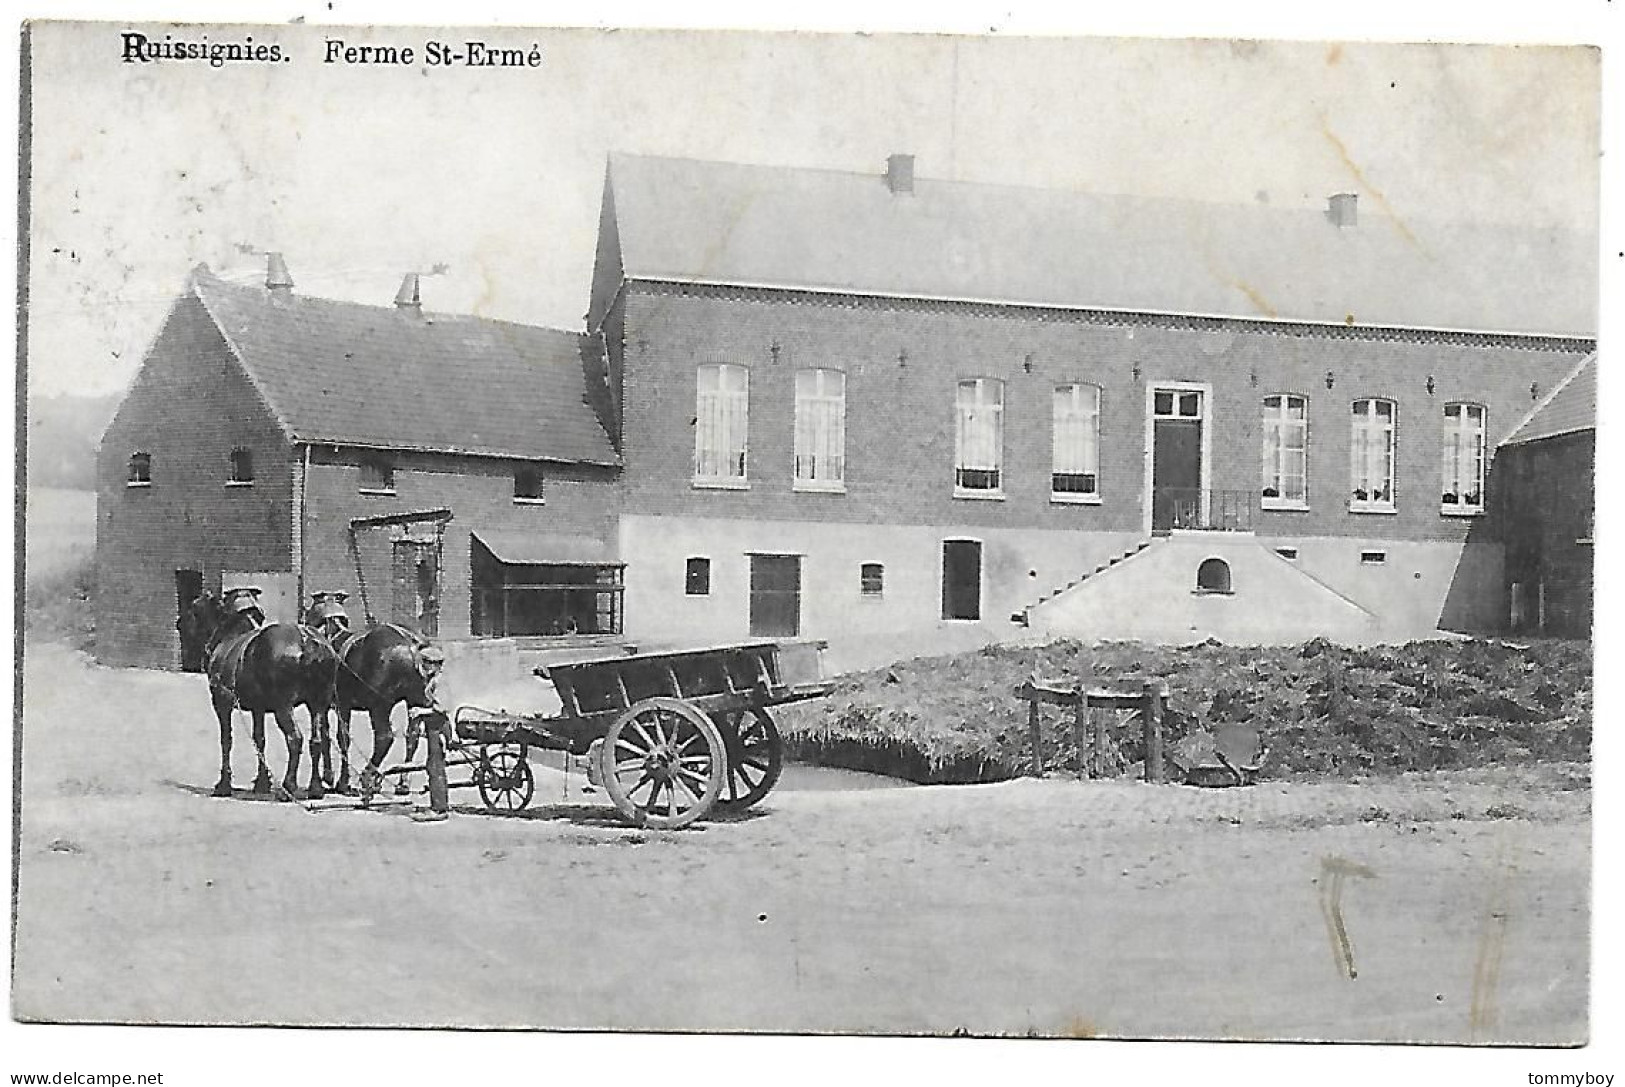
[828, 230]
[379, 376]
[1567, 409]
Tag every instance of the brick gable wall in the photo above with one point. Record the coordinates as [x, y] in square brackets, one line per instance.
[189, 407]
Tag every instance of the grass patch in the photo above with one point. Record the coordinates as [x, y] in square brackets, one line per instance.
[59, 605]
[1323, 709]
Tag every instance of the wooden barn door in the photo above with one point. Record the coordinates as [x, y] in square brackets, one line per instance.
[188, 587]
[416, 598]
[775, 596]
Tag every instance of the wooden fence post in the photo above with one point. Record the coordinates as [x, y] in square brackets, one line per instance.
[1034, 738]
[1080, 713]
[1099, 745]
[1151, 718]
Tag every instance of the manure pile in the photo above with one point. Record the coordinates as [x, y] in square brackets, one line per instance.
[1323, 709]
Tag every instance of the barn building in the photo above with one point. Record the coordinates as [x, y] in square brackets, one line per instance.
[446, 471]
[888, 408]
[1546, 513]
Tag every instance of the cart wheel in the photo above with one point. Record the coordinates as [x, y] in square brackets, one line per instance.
[505, 780]
[755, 759]
[662, 763]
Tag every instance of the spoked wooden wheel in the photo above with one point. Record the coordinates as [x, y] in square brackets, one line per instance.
[755, 758]
[505, 779]
[663, 763]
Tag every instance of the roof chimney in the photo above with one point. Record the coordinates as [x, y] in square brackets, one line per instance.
[900, 173]
[276, 274]
[1343, 209]
[407, 298]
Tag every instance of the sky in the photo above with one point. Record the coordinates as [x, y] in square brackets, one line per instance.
[358, 174]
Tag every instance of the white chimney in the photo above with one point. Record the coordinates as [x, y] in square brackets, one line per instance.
[277, 278]
[1343, 209]
[900, 173]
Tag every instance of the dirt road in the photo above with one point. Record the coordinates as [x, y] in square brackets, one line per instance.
[1052, 907]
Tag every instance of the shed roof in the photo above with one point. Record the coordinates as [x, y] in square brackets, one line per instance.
[829, 230]
[1569, 408]
[517, 548]
[380, 376]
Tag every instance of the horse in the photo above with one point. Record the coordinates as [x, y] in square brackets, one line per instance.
[263, 668]
[378, 669]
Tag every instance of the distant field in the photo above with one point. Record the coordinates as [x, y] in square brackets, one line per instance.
[61, 530]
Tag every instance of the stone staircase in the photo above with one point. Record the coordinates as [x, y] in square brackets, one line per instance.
[1021, 616]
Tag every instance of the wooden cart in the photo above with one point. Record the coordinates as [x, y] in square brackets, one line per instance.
[682, 733]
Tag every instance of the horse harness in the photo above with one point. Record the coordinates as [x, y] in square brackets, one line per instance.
[224, 663]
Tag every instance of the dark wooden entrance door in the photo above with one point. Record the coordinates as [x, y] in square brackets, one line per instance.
[961, 579]
[1176, 473]
[416, 600]
[775, 596]
[188, 587]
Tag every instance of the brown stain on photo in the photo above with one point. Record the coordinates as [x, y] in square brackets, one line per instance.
[1483, 1012]
[1333, 870]
[1080, 1027]
[1366, 186]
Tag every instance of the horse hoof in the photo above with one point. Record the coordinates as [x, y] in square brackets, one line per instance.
[223, 789]
[262, 788]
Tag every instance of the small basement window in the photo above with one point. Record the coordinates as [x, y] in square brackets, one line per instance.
[377, 475]
[242, 467]
[527, 484]
[1373, 558]
[139, 472]
[1213, 576]
[697, 577]
[1288, 553]
[872, 579]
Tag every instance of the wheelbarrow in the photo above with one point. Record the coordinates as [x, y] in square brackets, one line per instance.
[1231, 755]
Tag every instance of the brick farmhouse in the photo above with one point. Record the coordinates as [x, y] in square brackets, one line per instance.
[892, 412]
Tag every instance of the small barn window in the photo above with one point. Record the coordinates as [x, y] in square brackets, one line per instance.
[1213, 576]
[1290, 554]
[242, 466]
[139, 473]
[1373, 558]
[377, 475]
[697, 577]
[527, 484]
[872, 579]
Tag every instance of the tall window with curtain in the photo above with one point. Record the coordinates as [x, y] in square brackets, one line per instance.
[1371, 456]
[1075, 467]
[1463, 458]
[979, 437]
[721, 413]
[1286, 452]
[820, 430]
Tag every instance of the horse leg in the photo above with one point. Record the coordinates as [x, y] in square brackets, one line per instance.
[262, 779]
[296, 745]
[343, 785]
[319, 751]
[222, 711]
[383, 740]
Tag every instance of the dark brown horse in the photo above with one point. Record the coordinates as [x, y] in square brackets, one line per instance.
[263, 668]
[378, 669]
